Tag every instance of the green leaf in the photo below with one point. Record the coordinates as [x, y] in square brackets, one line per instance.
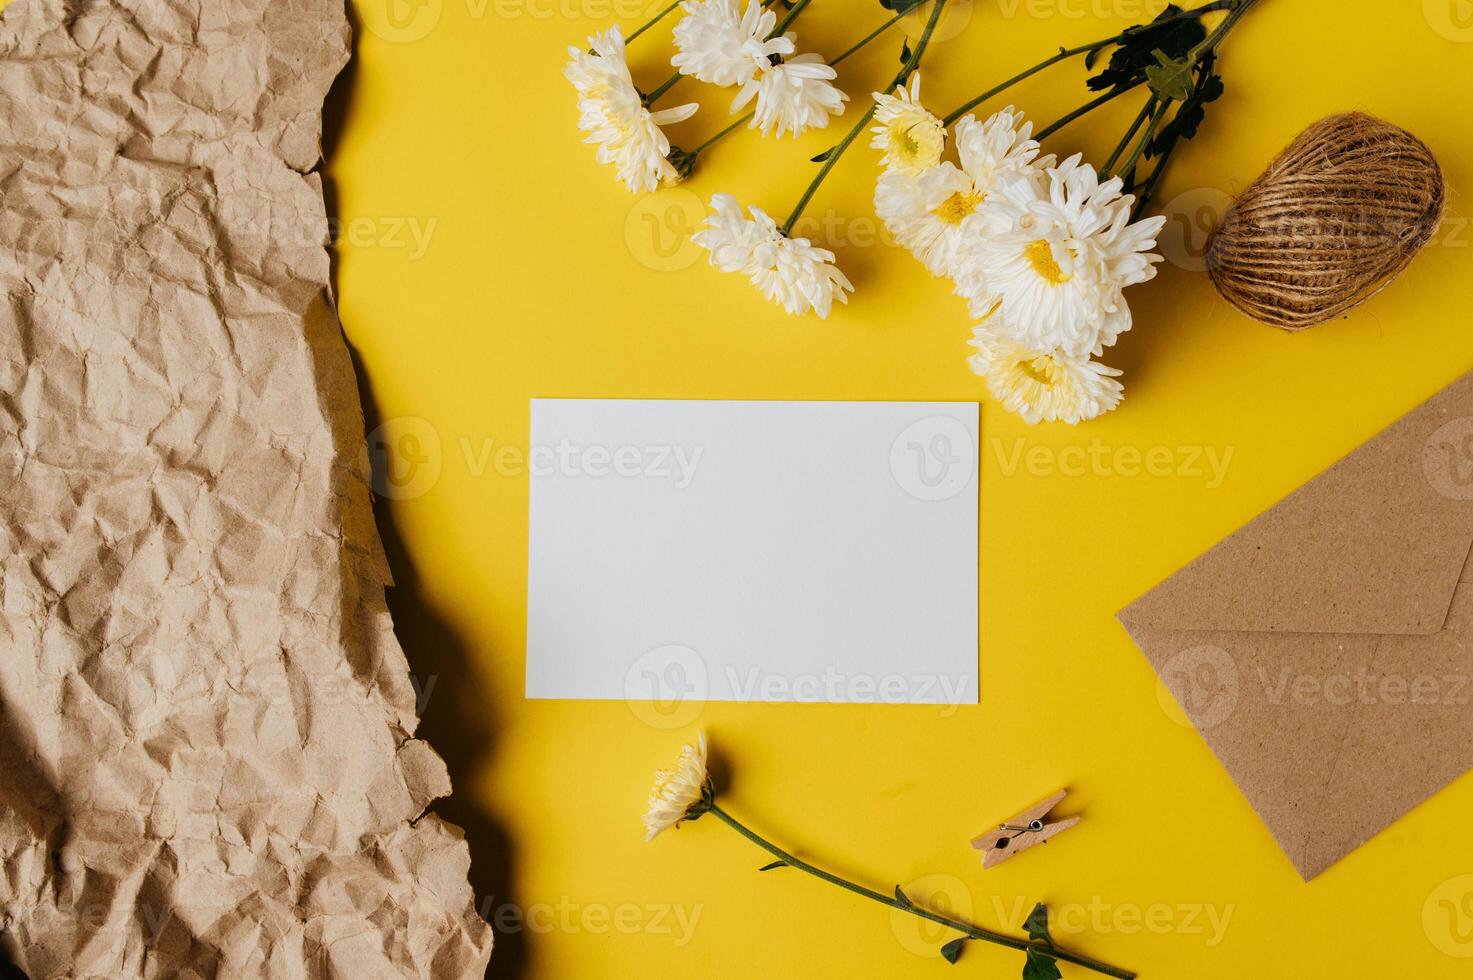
[775, 864]
[1171, 33]
[903, 899]
[1170, 78]
[1188, 118]
[1040, 966]
[824, 155]
[1036, 925]
[904, 52]
[952, 951]
[901, 6]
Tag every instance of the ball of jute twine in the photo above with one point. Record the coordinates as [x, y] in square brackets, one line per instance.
[1335, 218]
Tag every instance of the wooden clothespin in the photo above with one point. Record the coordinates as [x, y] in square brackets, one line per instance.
[1022, 831]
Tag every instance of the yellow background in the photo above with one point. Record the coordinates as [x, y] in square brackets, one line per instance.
[538, 275]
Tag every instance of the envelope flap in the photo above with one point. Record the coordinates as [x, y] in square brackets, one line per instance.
[1375, 544]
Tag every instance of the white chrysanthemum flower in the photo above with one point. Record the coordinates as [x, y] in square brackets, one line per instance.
[909, 136]
[925, 212]
[790, 271]
[793, 96]
[613, 114]
[1055, 259]
[1044, 387]
[719, 44]
[679, 794]
[1001, 146]
[931, 213]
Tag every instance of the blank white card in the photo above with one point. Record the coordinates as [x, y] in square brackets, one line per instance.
[685, 551]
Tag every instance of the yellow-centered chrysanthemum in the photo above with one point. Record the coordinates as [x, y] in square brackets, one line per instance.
[613, 114]
[930, 212]
[680, 793]
[1048, 386]
[1056, 258]
[909, 136]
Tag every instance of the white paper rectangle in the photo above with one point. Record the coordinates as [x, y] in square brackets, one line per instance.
[684, 551]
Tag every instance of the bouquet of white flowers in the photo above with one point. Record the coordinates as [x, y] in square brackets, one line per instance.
[1041, 250]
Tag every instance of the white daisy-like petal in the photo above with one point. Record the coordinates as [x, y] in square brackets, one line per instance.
[681, 793]
[612, 113]
[910, 138]
[789, 271]
[999, 147]
[720, 44]
[935, 212]
[1056, 259]
[803, 277]
[926, 211]
[735, 242]
[1044, 387]
[793, 96]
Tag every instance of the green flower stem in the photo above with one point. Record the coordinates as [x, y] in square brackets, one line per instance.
[1150, 185]
[652, 21]
[1140, 120]
[966, 107]
[1145, 140]
[788, 18]
[663, 87]
[748, 117]
[828, 164]
[721, 135]
[1068, 53]
[1206, 47]
[1085, 109]
[1211, 42]
[911, 64]
[970, 931]
[870, 37]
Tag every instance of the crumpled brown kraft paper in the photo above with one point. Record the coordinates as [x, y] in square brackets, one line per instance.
[207, 761]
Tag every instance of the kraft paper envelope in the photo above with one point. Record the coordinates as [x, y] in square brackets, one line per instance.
[1324, 650]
